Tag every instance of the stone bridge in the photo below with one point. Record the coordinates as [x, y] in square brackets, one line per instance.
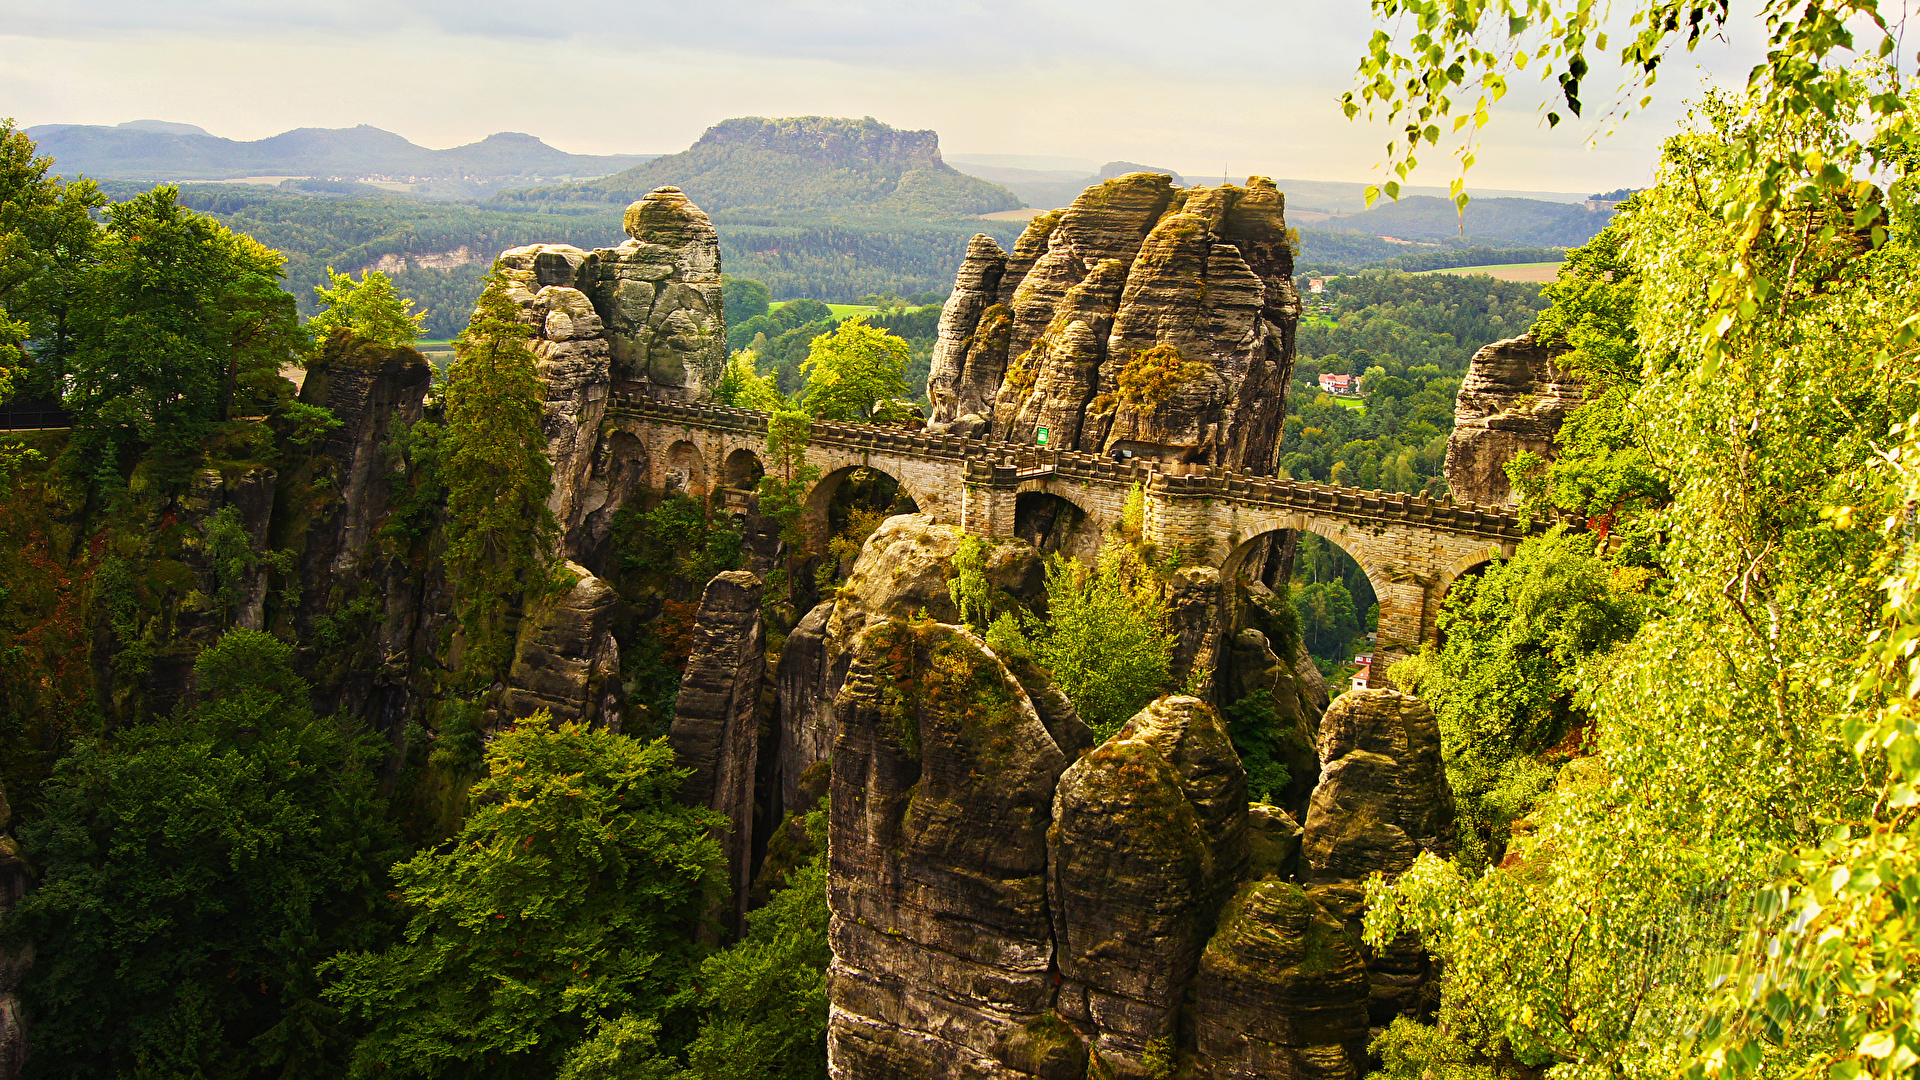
[1411, 547]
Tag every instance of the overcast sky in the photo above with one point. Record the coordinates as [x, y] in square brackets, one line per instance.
[1193, 86]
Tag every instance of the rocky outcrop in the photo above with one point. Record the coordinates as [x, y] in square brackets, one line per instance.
[1257, 671]
[1514, 399]
[645, 316]
[366, 573]
[1383, 799]
[942, 792]
[565, 659]
[716, 723]
[1149, 838]
[1145, 318]
[1282, 991]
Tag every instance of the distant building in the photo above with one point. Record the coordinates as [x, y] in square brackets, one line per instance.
[1363, 672]
[1603, 204]
[1340, 384]
[1316, 285]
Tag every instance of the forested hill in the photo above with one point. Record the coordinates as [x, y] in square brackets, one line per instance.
[800, 165]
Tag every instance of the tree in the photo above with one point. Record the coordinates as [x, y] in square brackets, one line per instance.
[744, 298]
[193, 872]
[1715, 888]
[1104, 638]
[764, 999]
[743, 387]
[783, 490]
[494, 465]
[562, 907]
[852, 370]
[368, 308]
[47, 235]
[178, 321]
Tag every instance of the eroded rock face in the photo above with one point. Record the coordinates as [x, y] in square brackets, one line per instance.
[565, 659]
[1282, 991]
[942, 792]
[1514, 399]
[645, 316]
[716, 723]
[1149, 838]
[1383, 799]
[1145, 317]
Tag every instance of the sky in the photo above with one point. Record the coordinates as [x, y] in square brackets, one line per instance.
[1199, 86]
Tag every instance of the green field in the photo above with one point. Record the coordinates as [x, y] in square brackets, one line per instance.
[1541, 272]
[840, 311]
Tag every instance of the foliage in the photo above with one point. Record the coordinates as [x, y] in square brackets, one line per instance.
[764, 1000]
[743, 387]
[743, 298]
[1637, 928]
[46, 234]
[560, 907]
[368, 308]
[178, 324]
[193, 872]
[1104, 638]
[1253, 725]
[679, 536]
[852, 370]
[230, 550]
[1153, 375]
[495, 468]
[971, 591]
[1330, 625]
[783, 490]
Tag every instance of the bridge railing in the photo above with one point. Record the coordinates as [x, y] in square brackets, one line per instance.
[1212, 482]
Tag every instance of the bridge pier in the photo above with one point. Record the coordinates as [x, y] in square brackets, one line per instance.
[988, 493]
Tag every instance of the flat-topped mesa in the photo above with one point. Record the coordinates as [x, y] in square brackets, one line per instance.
[1145, 318]
[645, 315]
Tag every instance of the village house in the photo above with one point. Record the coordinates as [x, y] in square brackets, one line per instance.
[1340, 384]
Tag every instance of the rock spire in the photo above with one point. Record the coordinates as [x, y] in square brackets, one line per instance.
[1145, 318]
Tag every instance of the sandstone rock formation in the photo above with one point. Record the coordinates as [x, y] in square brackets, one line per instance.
[1383, 798]
[1149, 838]
[645, 316]
[565, 659]
[942, 791]
[1145, 317]
[1282, 991]
[1514, 399]
[716, 724]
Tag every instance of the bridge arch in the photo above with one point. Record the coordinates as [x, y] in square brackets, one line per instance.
[742, 469]
[1465, 564]
[685, 470]
[1377, 576]
[819, 504]
[1053, 521]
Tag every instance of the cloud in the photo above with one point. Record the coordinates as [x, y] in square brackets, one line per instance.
[1196, 86]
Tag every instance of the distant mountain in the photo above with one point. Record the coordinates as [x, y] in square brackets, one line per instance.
[806, 165]
[1518, 221]
[1049, 188]
[158, 150]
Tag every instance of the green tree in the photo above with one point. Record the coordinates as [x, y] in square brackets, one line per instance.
[493, 462]
[764, 999]
[193, 872]
[370, 309]
[47, 236]
[562, 906]
[852, 371]
[178, 322]
[744, 298]
[783, 490]
[1716, 889]
[1104, 638]
[743, 387]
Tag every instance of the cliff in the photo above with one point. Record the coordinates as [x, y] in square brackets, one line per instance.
[1146, 318]
[1514, 399]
